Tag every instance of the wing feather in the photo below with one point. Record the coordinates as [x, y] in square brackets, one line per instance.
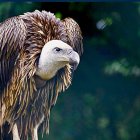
[12, 36]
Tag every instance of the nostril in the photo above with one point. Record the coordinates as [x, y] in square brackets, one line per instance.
[70, 51]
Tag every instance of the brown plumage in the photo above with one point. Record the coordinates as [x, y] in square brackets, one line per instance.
[27, 98]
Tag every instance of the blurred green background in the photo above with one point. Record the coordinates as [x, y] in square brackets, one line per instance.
[103, 102]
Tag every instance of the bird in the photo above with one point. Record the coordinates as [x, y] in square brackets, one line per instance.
[38, 56]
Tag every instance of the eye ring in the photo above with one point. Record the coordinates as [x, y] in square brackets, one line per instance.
[57, 49]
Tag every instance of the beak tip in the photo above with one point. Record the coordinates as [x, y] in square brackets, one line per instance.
[74, 60]
[74, 64]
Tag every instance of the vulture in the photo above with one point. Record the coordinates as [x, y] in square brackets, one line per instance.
[38, 56]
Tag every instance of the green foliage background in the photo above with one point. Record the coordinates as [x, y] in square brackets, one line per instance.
[103, 102]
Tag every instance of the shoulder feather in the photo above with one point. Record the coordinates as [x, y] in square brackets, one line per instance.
[74, 34]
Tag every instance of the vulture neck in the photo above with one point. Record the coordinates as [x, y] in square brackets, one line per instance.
[39, 82]
[47, 71]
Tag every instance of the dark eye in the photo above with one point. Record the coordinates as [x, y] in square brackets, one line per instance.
[57, 49]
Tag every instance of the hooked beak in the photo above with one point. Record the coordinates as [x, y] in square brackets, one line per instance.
[74, 59]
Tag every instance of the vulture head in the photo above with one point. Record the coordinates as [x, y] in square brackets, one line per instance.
[54, 56]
